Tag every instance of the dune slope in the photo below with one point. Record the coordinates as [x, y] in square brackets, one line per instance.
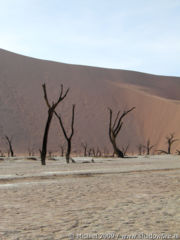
[23, 111]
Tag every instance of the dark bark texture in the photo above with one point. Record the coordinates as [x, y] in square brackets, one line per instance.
[68, 138]
[9, 141]
[51, 109]
[114, 129]
[148, 147]
[169, 140]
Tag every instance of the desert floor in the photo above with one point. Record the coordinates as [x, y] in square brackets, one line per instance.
[109, 199]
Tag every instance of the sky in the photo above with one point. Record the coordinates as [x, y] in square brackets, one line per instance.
[140, 35]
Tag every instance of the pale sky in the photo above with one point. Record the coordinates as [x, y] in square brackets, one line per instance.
[140, 35]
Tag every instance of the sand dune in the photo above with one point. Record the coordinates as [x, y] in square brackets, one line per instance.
[23, 111]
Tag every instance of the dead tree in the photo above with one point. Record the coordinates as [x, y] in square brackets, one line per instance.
[140, 148]
[62, 150]
[93, 151]
[84, 145]
[114, 129]
[68, 139]
[90, 152]
[9, 141]
[169, 140]
[148, 147]
[51, 109]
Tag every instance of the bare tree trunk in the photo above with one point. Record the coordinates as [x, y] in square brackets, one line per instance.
[114, 129]
[84, 145]
[89, 152]
[117, 151]
[68, 139]
[10, 145]
[148, 147]
[45, 138]
[140, 147]
[169, 149]
[170, 140]
[93, 152]
[68, 152]
[51, 109]
[62, 150]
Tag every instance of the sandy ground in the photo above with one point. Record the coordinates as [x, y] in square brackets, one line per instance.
[121, 198]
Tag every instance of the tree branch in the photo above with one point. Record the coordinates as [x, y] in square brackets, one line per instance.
[72, 123]
[61, 123]
[45, 95]
[122, 116]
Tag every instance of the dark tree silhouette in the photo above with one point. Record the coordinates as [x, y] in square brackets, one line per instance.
[9, 141]
[68, 139]
[148, 147]
[93, 151]
[51, 109]
[140, 148]
[90, 152]
[114, 129]
[169, 140]
[84, 145]
[62, 150]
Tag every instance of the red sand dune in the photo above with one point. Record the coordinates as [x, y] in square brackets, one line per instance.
[23, 111]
